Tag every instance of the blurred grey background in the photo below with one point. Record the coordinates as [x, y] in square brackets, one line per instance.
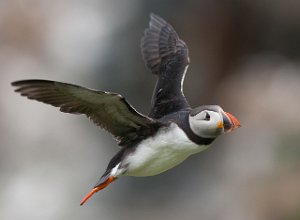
[244, 57]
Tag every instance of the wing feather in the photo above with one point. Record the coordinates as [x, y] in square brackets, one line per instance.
[166, 55]
[108, 110]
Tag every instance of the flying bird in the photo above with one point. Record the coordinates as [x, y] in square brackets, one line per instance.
[149, 144]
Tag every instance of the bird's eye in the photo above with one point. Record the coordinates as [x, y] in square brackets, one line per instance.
[206, 117]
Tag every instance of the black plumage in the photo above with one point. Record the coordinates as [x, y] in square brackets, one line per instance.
[166, 55]
[108, 110]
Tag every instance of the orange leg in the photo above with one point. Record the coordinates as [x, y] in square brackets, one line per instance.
[97, 188]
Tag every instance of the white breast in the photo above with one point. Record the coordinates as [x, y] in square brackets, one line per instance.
[168, 148]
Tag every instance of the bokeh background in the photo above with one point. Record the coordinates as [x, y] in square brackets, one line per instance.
[244, 57]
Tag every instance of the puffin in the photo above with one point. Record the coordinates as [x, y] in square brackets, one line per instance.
[149, 145]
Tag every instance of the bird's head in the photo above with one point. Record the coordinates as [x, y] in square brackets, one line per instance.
[210, 121]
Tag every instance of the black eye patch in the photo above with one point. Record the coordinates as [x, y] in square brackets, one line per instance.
[207, 116]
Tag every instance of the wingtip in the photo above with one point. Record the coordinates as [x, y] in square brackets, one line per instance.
[30, 81]
[15, 83]
[156, 19]
[152, 14]
[155, 16]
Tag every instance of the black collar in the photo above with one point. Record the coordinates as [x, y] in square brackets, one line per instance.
[182, 120]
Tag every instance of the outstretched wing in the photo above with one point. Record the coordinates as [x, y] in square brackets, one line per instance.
[108, 110]
[166, 55]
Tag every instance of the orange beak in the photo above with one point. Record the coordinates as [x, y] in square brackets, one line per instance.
[230, 122]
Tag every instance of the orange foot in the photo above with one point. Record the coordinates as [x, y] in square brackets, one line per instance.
[97, 188]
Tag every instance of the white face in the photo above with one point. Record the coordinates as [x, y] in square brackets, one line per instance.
[207, 123]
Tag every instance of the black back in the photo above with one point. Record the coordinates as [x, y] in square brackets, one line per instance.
[167, 57]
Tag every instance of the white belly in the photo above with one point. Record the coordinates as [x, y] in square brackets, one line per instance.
[164, 151]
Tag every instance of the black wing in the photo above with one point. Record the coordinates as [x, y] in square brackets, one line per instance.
[107, 110]
[166, 56]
